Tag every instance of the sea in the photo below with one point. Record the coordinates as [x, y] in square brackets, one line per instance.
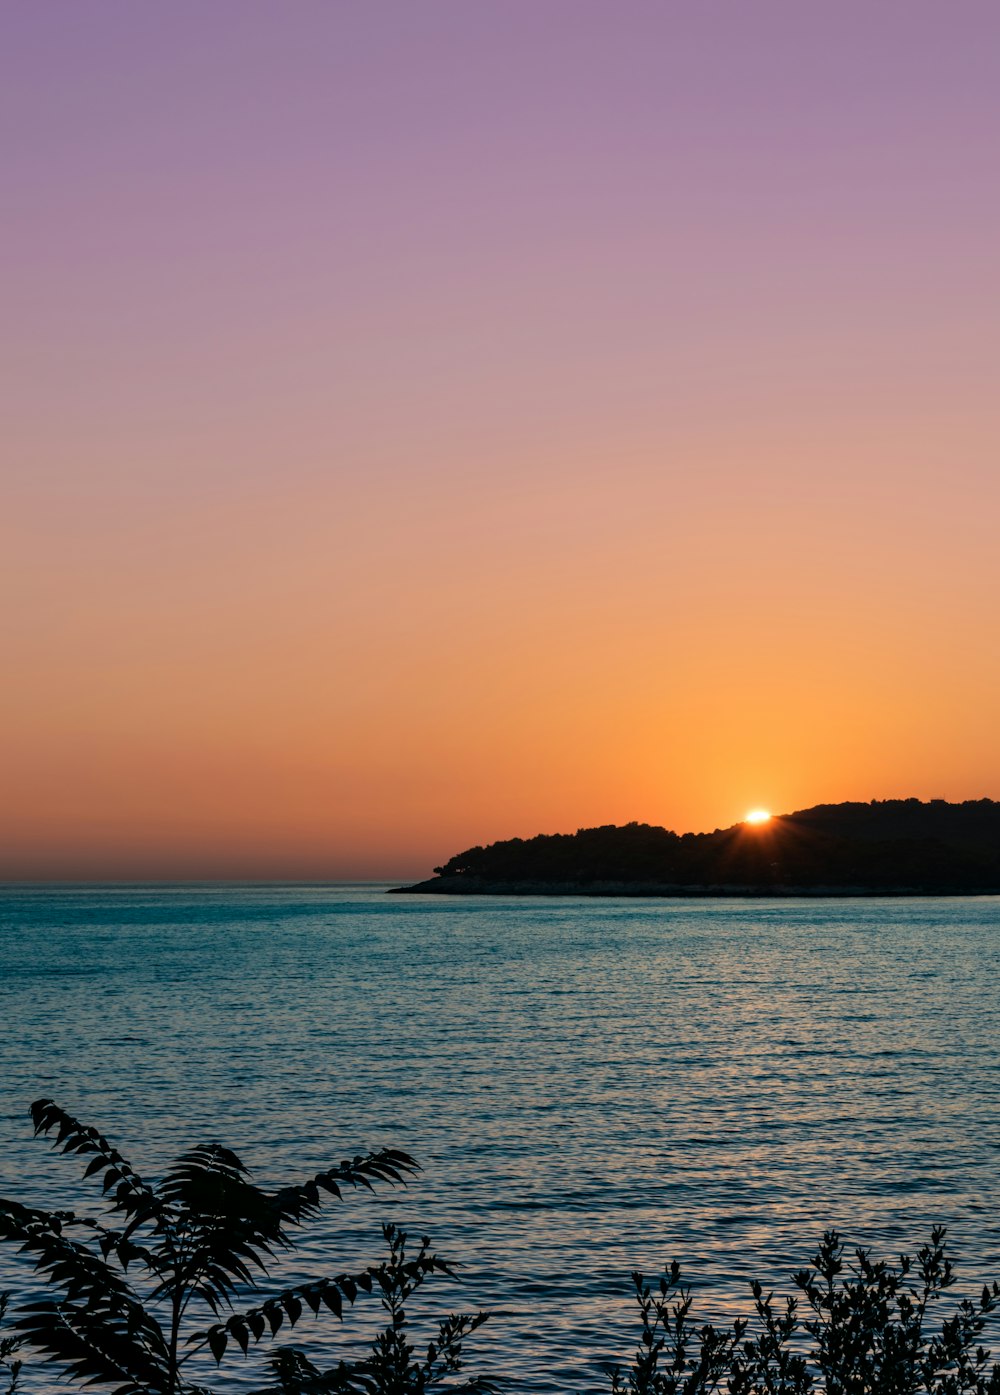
[591, 1088]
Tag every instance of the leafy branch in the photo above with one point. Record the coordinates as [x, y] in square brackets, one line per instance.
[394, 1366]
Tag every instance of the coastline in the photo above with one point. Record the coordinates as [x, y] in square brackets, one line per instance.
[446, 886]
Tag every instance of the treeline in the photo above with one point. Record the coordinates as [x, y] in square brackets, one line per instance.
[885, 846]
[173, 1271]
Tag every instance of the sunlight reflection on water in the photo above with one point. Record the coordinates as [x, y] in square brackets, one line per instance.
[591, 1087]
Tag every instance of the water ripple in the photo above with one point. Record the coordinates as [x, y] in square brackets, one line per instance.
[591, 1087]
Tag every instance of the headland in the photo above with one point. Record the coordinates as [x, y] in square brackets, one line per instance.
[892, 847]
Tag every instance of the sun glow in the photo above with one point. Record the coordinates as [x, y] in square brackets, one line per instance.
[758, 816]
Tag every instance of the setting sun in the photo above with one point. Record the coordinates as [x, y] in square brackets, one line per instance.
[758, 816]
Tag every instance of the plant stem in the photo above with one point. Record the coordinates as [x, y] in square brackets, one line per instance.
[175, 1327]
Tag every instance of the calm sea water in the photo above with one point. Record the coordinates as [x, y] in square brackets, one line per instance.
[591, 1086]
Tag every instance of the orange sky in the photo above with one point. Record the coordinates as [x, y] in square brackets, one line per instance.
[379, 486]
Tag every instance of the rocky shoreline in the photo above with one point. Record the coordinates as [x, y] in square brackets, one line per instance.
[443, 886]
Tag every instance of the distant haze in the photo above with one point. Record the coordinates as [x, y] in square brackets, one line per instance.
[430, 423]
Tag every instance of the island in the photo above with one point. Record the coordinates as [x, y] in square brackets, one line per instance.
[891, 847]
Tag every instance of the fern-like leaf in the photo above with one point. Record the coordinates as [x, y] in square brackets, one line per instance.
[298, 1201]
[288, 1306]
[99, 1341]
[130, 1194]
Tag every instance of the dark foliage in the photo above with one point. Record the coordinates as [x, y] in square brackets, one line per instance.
[394, 1367]
[10, 1366]
[124, 1292]
[888, 846]
[858, 1328]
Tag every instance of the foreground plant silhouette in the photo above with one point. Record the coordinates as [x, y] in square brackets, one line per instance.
[126, 1292]
[9, 1363]
[865, 1330]
[856, 1327]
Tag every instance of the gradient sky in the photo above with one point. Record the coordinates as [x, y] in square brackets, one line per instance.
[425, 423]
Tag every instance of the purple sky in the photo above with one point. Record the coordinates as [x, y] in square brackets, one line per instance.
[588, 342]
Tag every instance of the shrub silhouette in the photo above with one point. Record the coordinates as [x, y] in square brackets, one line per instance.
[125, 1294]
[865, 1331]
[392, 1368]
[9, 1362]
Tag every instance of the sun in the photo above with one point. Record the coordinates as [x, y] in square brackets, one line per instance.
[758, 816]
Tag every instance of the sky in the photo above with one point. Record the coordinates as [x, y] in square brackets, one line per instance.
[429, 423]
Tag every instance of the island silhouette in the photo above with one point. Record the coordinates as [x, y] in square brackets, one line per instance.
[891, 847]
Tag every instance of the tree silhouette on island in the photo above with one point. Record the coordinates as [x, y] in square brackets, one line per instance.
[892, 847]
